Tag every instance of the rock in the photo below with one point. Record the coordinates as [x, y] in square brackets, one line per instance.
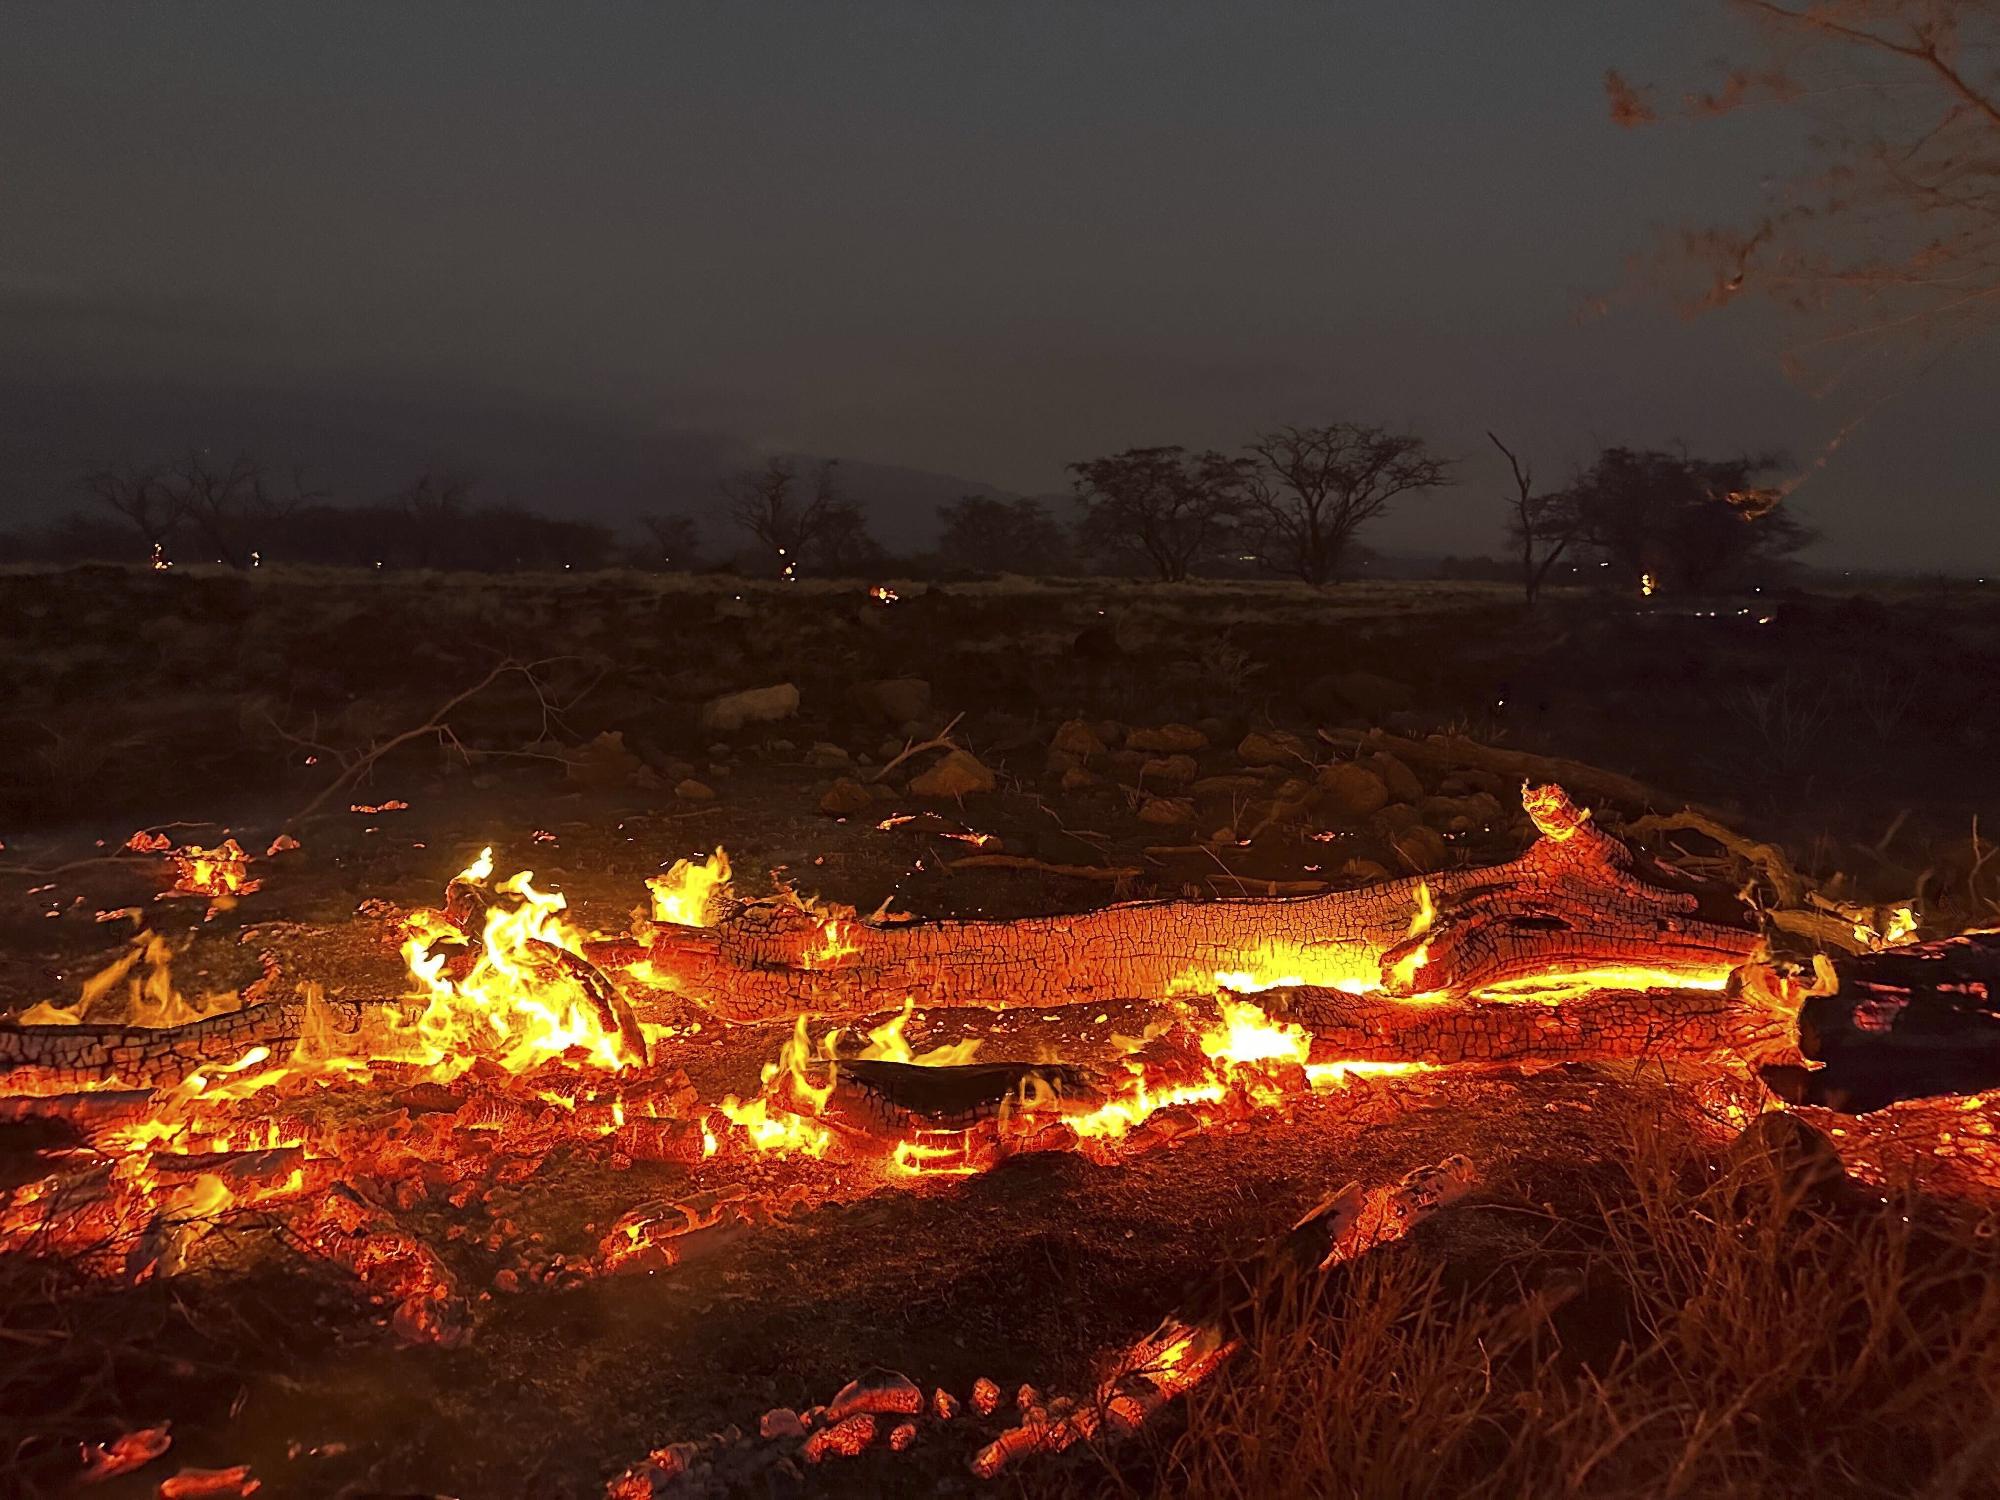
[1271, 747]
[1350, 792]
[1110, 731]
[1393, 819]
[1364, 870]
[691, 790]
[1167, 770]
[959, 773]
[889, 749]
[780, 1422]
[825, 756]
[1422, 849]
[1076, 779]
[897, 700]
[1463, 814]
[1373, 696]
[985, 1397]
[603, 763]
[1169, 812]
[886, 1393]
[1076, 737]
[845, 798]
[1168, 739]
[1060, 761]
[779, 747]
[1404, 785]
[730, 712]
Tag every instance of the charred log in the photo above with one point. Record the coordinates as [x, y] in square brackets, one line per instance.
[1918, 1020]
[48, 1059]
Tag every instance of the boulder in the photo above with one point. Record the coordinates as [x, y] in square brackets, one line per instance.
[1422, 849]
[1167, 770]
[895, 700]
[1076, 779]
[1350, 792]
[1172, 812]
[1271, 747]
[1076, 737]
[732, 711]
[1393, 819]
[1798, 1155]
[845, 798]
[1480, 811]
[691, 790]
[825, 756]
[1403, 783]
[1168, 739]
[1366, 871]
[603, 763]
[959, 773]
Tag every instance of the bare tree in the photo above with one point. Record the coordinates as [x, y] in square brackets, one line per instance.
[1312, 488]
[770, 505]
[843, 547]
[143, 498]
[676, 539]
[1542, 526]
[1173, 507]
[432, 511]
[233, 508]
[1895, 231]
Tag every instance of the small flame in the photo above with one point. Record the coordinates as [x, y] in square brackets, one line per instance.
[686, 894]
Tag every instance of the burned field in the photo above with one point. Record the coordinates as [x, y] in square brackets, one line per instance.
[1109, 1001]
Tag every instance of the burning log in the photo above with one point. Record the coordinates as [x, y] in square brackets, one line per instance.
[1697, 1025]
[1578, 900]
[48, 1059]
[361, 1238]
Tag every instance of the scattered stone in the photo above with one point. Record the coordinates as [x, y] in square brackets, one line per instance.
[1062, 760]
[691, 790]
[718, 751]
[1271, 747]
[1229, 786]
[889, 749]
[897, 700]
[1110, 731]
[603, 763]
[1167, 770]
[1463, 814]
[1402, 782]
[779, 747]
[1076, 737]
[1168, 811]
[1363, 869]
[1421, 848]
[780, 1422]
[1168, 739]
[825, 755]
[845, 798]
[767, 705]
[1393, 819]
[1076, 779]
[884, 1392]
[959, 773]
[1350, 792]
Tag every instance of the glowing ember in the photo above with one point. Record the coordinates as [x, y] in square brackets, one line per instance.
[221, 871]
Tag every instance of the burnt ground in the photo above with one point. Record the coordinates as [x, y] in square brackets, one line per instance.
[136, 701]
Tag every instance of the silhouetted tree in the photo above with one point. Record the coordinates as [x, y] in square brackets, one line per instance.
[1691, 524]
[434, 508]
[1541, 525]
[676, 541]
[144, 499]
[1174, 508]
[234, 510]
[1001, 536]
[841, 546]
[771, 505]
[1895, 230]
[1311, 488]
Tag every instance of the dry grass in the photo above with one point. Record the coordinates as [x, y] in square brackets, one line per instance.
[1704, 1332]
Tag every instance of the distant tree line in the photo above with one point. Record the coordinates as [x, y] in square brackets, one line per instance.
[1291, 503]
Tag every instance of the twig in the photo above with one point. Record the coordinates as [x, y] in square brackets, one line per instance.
[942, 741]
[1024, 862]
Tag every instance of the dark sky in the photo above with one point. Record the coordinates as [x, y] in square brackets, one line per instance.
[980, 239]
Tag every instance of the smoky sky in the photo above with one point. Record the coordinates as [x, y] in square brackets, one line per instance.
[976, 239]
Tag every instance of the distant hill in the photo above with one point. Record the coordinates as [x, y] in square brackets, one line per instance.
[364, 443]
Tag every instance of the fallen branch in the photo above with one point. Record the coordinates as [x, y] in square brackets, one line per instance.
[1452, 752]
[1024, 862]
[942, 740]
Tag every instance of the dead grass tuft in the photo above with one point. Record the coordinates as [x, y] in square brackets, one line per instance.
[1693, 1328]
